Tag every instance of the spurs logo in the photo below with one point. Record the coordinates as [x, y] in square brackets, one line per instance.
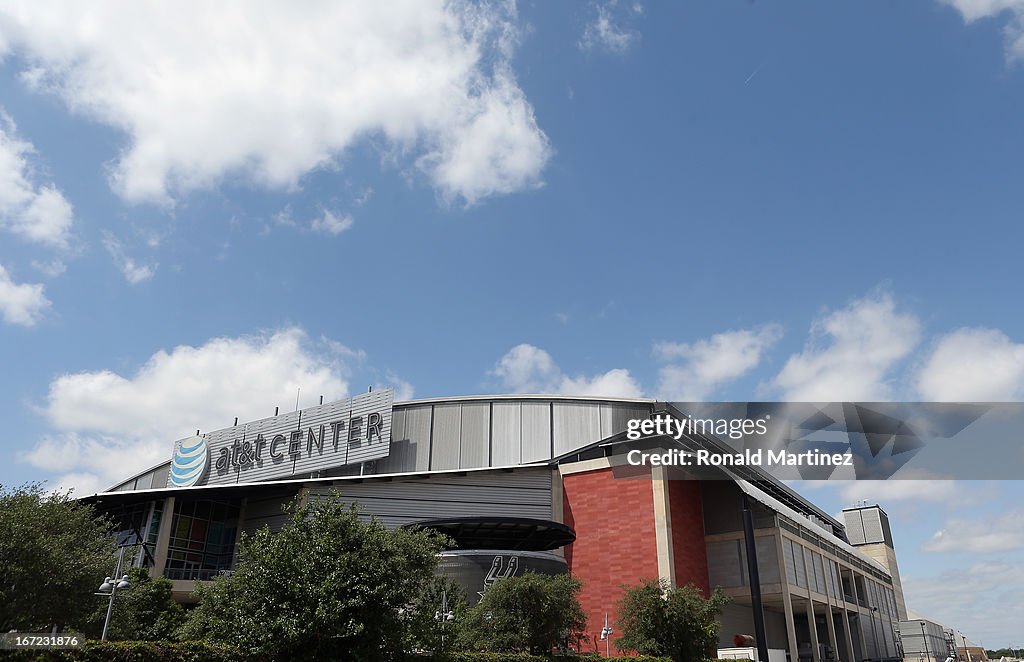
[500, 570]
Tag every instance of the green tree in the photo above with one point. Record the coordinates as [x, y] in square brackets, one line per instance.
[427, 623]
[327, 586]
[54, 553]
[680, 623]
[530, 613]
[143, 612]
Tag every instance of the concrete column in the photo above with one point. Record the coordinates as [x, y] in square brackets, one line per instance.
[832, 640]
[847, 635]
[813, 626]
[663, 525]
[787, 601]
[163, 539]
[860, 614]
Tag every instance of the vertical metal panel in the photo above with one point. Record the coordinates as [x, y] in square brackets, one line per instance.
[854, 526]
[615, 417]
[417, 431]
[507, 434]
[767, 559]
[801, 566]
[476, 428]
[576, 424]
[520, 493]
[819, 574]
[160, 476]
[873, 525]
[724, 563]
[536, 431]
[444, 445]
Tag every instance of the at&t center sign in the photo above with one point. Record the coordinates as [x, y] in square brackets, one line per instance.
[296, 444]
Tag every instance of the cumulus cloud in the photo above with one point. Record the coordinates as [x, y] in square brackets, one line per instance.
[271, 92]
[607, 29]
[108, 425]
[980, 535]
[332, 224]
[30, 209]
[133, 271]
[695, 370]
[972, 364]
[1013, 10]
[972, 599]
[529, 369]
[22, 304]
[851, 353]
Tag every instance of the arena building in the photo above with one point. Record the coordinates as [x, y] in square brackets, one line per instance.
[528, 482]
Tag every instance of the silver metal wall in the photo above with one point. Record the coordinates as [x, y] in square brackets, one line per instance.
[473, 434]
[517, 493]
[468, 434]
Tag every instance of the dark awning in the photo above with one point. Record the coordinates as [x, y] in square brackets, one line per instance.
[511, 533]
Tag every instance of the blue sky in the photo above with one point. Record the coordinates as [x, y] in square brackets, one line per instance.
[202, 211]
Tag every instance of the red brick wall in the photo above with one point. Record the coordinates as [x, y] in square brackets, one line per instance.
[615, 544]
[687, 516]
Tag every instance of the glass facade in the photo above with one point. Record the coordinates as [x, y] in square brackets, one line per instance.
[202, 542]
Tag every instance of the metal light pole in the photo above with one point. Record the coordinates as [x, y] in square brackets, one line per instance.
[113, 585]
[444, 616]
[606, 634]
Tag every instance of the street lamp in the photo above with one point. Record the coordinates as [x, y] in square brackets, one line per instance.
[445, 615]
[109, 587]
[606, 635]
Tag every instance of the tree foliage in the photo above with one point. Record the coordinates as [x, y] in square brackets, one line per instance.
[327, 586]
[656, 619]
[529, 613]
[54, 553]
[143, 612]
[427, 625]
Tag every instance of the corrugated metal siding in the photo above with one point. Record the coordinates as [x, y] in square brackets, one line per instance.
[417, 431]
[476, 433]
[445, 440]
[576, 425]
[507, 434]
[523, 493]
[536, 431]
[265, 512]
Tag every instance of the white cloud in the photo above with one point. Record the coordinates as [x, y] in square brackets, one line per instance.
[133, 271]
[275, 91]
[606, 30]
[529, 369]
[851, 353]
[705, 365]
[107, 425]
[329, 223]
[1013, 31]
[980, 535]
[971, 599]
[971, 364]
[50, 268]
[22, 304]
[37, 212]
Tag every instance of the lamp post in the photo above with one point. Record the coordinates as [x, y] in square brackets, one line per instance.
[110, 587]
[445, 615]
[606, 634]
